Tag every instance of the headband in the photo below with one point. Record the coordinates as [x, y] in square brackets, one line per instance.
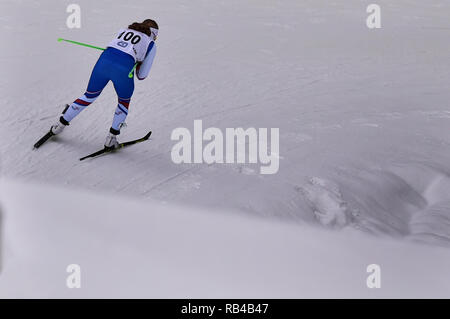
[154, 31]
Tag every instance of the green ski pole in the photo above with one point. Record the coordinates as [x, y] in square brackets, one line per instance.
[83, 44]
[130, 75]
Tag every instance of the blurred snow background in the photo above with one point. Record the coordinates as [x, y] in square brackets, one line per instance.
[134, 248]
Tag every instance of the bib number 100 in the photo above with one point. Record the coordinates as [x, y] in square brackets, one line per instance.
[130, 36]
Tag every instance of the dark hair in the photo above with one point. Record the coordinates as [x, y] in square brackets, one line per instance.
[144, 26]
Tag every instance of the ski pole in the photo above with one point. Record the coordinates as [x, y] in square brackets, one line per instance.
[130, 75]
[80, 43]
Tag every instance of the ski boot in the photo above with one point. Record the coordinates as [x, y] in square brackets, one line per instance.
[111, 139]
[61, 124]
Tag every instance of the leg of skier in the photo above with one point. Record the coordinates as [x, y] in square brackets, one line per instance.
[124, 87]
[98, 80]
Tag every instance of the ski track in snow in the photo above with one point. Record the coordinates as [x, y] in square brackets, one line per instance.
[363, 116]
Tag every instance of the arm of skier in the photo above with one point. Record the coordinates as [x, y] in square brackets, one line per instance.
[143, 68]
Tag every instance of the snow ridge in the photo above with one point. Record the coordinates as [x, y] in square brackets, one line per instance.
[383, 202]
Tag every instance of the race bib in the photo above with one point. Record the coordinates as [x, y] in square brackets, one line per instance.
[132, 42]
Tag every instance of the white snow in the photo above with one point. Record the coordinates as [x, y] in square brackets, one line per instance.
[129, 247]
[363, 116]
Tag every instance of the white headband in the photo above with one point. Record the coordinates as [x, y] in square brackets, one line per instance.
[154, 31]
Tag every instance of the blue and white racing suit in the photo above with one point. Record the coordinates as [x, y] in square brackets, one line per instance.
[115, 64]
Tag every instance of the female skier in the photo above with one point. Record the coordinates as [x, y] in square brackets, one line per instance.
[136, 44]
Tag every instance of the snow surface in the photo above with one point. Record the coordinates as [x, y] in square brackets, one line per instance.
[129, 247]
[363, 114]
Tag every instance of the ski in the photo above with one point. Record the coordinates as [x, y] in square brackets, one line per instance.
[121, 145]
[43, 139]
[49, 134]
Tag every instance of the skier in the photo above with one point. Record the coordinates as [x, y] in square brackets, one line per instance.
[135, 44]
